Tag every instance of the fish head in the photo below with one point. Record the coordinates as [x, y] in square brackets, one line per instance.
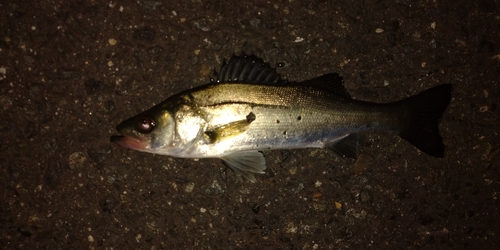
[152, 131]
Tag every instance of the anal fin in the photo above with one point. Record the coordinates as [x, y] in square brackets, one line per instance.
[246, 163]
[347, 147]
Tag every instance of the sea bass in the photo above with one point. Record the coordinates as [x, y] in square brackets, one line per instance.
[249, 108]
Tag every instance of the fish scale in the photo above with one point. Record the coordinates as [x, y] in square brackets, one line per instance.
[282, 123]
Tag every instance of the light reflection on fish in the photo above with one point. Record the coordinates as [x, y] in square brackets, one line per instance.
[248, 108]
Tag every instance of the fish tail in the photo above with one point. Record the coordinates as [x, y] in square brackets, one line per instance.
[426, 109]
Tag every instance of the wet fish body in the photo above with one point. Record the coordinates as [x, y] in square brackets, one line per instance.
[249, 108]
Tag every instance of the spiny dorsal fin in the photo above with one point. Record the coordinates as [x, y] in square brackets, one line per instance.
[247, 69]
[331, 82]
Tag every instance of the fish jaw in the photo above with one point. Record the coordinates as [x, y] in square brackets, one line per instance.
[129, 137]
[130, 142]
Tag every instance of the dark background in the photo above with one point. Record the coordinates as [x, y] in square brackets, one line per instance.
[72, 70]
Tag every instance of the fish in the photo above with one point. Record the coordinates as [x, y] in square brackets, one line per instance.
[248, 108]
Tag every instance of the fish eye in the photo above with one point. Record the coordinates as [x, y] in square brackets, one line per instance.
[145, 124]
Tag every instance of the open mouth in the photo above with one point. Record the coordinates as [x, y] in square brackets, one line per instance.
[129, 142]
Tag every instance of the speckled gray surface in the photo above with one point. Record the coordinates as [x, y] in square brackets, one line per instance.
[71, 70]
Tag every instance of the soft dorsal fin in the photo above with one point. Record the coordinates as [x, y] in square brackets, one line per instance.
[247, 69]
[331, 82]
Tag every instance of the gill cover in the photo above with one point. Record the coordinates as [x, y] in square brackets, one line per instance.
[163, 134]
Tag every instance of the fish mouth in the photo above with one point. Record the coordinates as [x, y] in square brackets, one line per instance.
[129, 142]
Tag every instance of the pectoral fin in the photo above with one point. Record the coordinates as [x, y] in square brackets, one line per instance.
[246, 163]
[231, 129]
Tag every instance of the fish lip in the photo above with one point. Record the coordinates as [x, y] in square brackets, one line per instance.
[129, 142]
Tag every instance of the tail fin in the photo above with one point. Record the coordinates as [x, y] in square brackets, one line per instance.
[426, 110]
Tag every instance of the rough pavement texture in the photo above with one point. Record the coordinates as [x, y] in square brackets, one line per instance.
[70, 71]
